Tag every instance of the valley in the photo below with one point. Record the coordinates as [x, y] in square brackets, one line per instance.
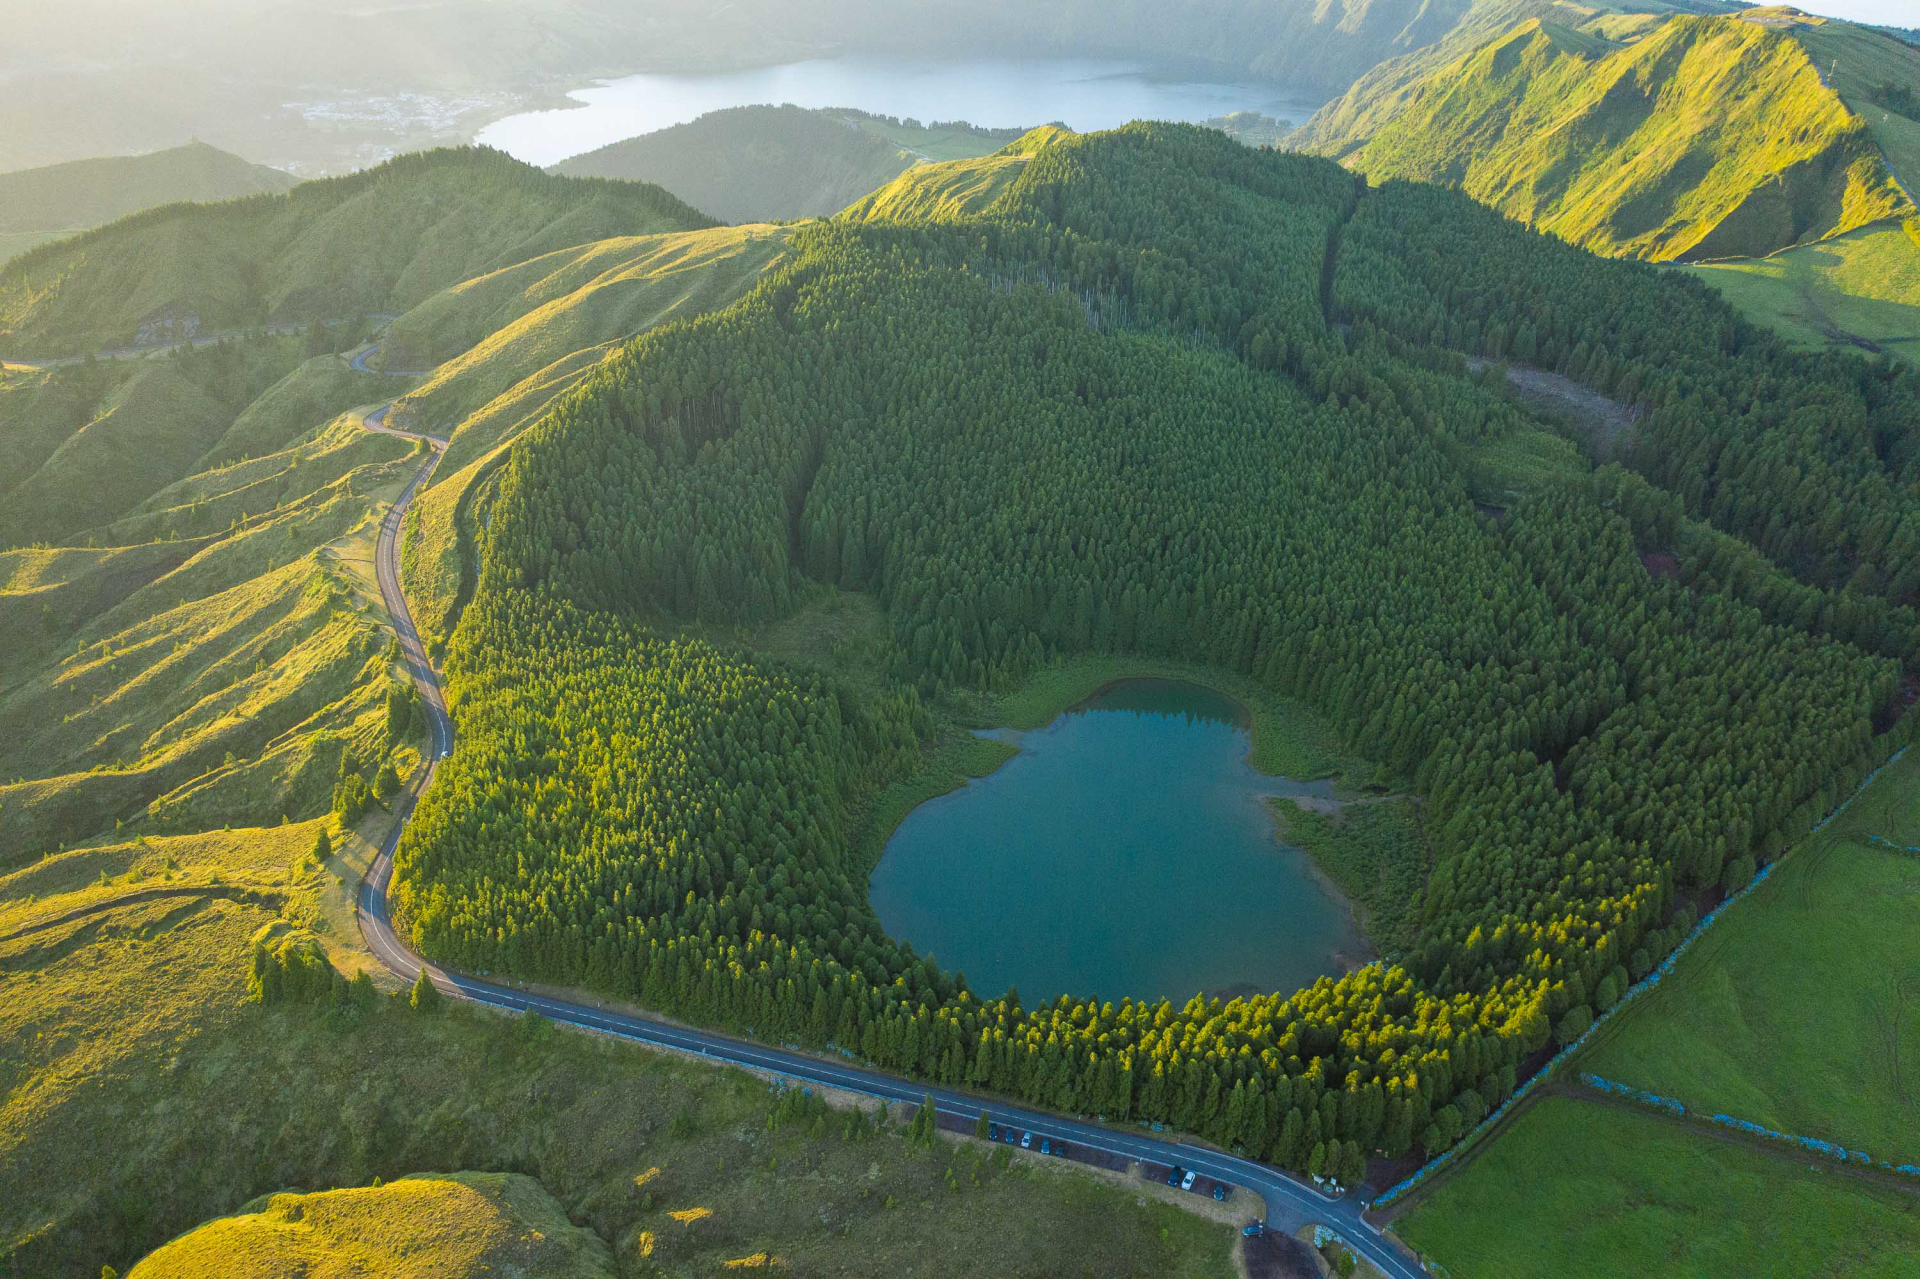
[654, 716]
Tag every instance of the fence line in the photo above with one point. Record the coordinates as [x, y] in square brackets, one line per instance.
[1639, 988]
[1830, 1149]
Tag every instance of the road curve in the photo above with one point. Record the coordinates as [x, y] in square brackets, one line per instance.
[1290, 1203]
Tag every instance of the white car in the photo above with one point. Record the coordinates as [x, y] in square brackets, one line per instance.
[1186, 1182]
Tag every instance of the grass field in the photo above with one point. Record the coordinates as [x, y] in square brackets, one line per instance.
[1747, 1024]
[140, 1096]
[1575, 1188]
[1866, 284]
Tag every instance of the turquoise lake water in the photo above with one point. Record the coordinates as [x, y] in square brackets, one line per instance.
[1126, 851]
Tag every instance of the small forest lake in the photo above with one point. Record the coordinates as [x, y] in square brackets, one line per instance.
[1128, 850]
[1083, 94]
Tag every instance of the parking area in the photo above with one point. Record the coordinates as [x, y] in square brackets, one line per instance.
[1034, 1143]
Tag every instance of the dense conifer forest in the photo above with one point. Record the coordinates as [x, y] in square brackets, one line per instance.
[1169, 396]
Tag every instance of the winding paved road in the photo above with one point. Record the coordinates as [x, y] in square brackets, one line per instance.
[1290, 1203]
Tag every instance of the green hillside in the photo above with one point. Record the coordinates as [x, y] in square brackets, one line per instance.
[953, 188]
[1859, 290]
[1705, 138]
[1169, 397]
[381, 240]
[769, 164]
[63, 198]
[545, 322]
[424, 1226]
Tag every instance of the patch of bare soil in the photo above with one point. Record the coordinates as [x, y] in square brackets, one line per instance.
[1605, 421]
[1661, 564]
[1276, 1255]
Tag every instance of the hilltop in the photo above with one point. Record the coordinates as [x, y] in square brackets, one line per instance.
[425, 1226]
[1702, 138]
[379, 240]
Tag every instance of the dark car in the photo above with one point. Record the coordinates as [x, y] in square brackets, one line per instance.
[1060, 1148]
[993, 1132]
[1254, 1231]
[1173, 1178]
[1220, 1189]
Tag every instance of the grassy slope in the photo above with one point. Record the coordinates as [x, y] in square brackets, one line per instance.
[1709, 137]
[1381, 93]
[1862, 285]
[756, 164]
[87, 193]
[1860, 60]
[95, 446]
[428, 1224]
[544, 324]
[142, 1096]
[381, 240]
[1576, 1188]
[209, 661]
[953, 188]
[1747, 1024]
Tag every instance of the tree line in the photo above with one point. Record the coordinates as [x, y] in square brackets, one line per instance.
[1109, 415]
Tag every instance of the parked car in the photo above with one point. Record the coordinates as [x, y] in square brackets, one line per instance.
[1026, 1141]
[1060, 1149]
[1186, 1182]
[1009, 1133]
[1173, 1178]
[1220, 1189]
[993, 1132]
[1255, 1230]
[1046, 1147]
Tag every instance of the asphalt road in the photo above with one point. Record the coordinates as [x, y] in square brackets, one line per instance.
[1290, 1203]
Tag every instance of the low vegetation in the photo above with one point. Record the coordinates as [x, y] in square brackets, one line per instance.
[1859, 291]
[145, 1094]
[1576, 1187]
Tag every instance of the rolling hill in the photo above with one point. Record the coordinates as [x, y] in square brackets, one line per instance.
[63, 198]
[380, 240]
[1703, 138]
[770, 164]
[425, 1226]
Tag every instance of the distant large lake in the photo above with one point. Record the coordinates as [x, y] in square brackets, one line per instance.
[1126, 851]
[991, 92]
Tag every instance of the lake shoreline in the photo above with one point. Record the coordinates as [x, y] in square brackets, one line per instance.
[1131, 795]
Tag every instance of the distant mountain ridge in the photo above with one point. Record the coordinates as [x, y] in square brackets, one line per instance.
[383, 239]
[87, 193]
[775, 163]
[1703, 137]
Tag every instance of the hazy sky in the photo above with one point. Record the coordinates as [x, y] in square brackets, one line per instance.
[1894, 13]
